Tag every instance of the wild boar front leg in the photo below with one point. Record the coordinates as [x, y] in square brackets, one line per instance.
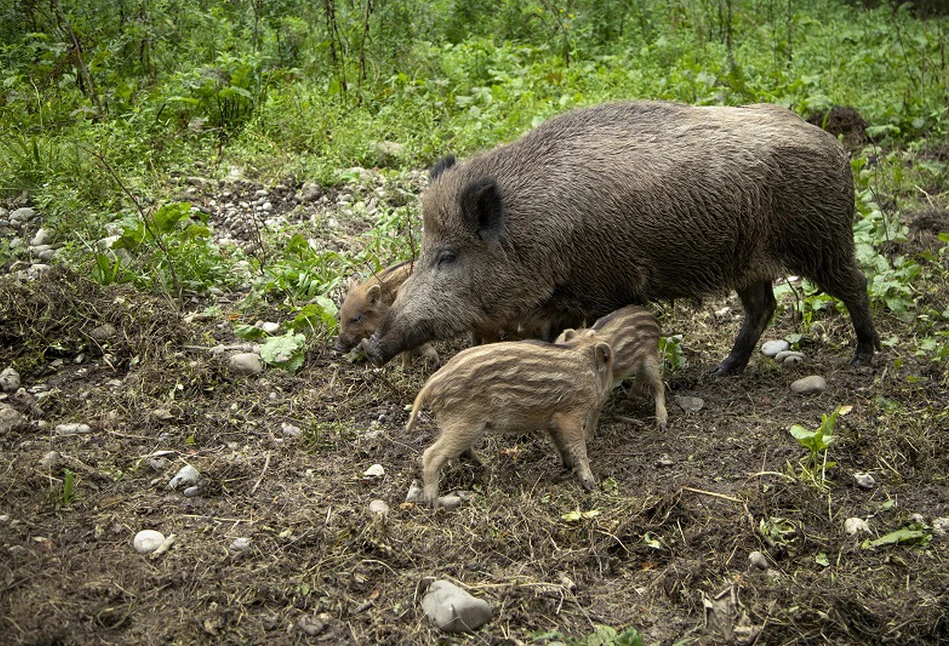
[651, 378]
[568, 432]
[457, 437]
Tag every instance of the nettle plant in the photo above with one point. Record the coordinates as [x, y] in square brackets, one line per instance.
[813, 466]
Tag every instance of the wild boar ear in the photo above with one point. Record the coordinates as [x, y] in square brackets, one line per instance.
[441, 166]
[568, 334]
[374, 293]
[481, 207]
[604, 355]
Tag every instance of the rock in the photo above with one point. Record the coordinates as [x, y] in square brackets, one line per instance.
[147, 541]
[375, 471]
[918, 519]
[789, 357]
[313, 625]
[43, 236]
[856, 526]
[864, 481]
[772, 348]
[46, 255]
[103, 332]
[193, 492]
[51, 460]
[414, 494]
[453, 610]
[388, 152]
[758, 560]
[270, 327]
[21, 215]
[185, 477]
[289, 430]
[941, 526]
[689, 404]
[809, 385]
[246, 363]
[310, 192]
[449, 502]
[379, 508]
[665, 461]
[162, 414]
[9, 380]
[266, 206]
[158, 464]
[240, 544]
[10, 418]
[72, 429]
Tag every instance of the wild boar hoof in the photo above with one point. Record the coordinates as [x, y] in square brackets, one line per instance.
[727, 369]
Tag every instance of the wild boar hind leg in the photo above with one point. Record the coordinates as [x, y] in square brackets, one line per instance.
[567, 430]
[759, 303]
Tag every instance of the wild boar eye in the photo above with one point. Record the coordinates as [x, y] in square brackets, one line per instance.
[356, 319]
[445, 257]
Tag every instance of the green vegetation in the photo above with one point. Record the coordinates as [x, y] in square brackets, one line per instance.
[814, 465]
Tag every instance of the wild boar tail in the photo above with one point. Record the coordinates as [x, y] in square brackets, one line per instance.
[416, 407]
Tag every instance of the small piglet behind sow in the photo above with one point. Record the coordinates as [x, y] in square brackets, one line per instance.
[627, 203]
[367, 303]
[516, 386]
[633, 334]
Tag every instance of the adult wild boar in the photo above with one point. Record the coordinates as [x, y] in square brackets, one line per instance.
[627, 203]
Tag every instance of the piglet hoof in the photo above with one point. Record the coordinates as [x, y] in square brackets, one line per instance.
[588, 482]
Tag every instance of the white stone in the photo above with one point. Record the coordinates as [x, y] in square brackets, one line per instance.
[414, 494]
[809, 385]
[185, 477]
[22, 215]
[449, 502]
[758, 560]
[789, 357]
[192, 492]
[453, 610]
[855, 526]
[940, 526]
[379, 508]
[46, 255]
[147, 541]
[43, 236]
[375, 471]
[289, 430]
[772, 348]
[103, 332]
[689, 404]
[247, 363]
[240, 544]
[72, 429]
[51, 460]
[9, 380]
[10, 418]
[864, 480]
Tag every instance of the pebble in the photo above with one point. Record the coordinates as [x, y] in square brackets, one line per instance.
[941, 526]
[375, 471]
[809, 385]
[10, 418]
[193, 492]
[22, 214]
[72, 429]
[449, 502]
[864, 481]
[103, 332]
[689, 404]
[855, 526]
[147, 541]
[918, 519]
[42, 237]
[185, 477]
[379, 508]
[772, 348]
[51, 460]
[270, 327]
[454, 610]
[789, 357]
[247, 363]
[289, 430]
[665, 461]
[240, 544]
[414, 494]
[9, 380]
[158, 464]
[758, 560]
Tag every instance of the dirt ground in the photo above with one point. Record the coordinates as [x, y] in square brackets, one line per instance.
[662, 546]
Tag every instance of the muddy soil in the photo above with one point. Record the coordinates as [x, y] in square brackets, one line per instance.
[662, 545]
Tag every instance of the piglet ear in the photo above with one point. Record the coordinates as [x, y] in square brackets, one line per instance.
[441, 166]
[567, 335]
[482, 210]
[604, 356]
[374, 293]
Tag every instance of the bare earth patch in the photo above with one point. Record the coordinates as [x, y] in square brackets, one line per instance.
[664, 548]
